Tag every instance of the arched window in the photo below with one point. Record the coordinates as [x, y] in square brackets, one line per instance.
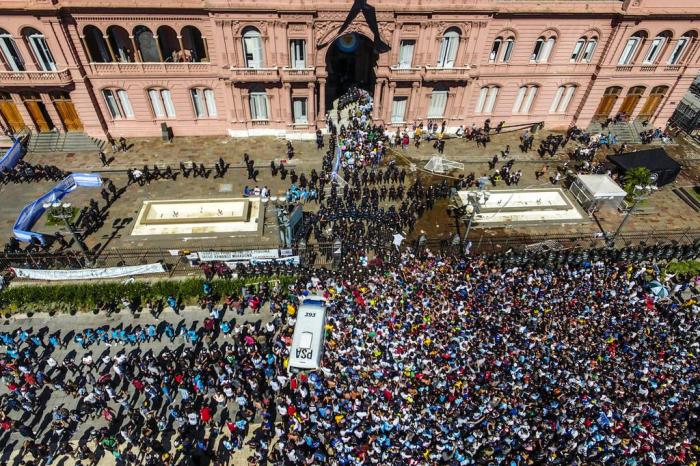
[524, 98]
[96, 45]
[204, 102]
[10, 55]
[118, 103]
[684, 41]
[562, 98]
[195, 44]
[448, 49]
[169, 44]
[656, 47]
[121, 44]
[590, 50]
[253, 48]
[631, 48]
[584, 49]
[161, 103]
[147, 45]
[40, 49]
[487, 99]
[543, 49]
[501, 50]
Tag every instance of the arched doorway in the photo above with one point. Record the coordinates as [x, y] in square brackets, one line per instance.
[66, 111]
[37, 110]
[351, 61]
[634, 95]
[607, 102]
[10, 113]
[652, 102]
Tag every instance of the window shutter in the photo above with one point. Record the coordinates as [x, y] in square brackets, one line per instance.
[126, 105]
[519, 99]
[482, 99]
[491, 101]
[567, 98]
[211, 102]
[156, 104]
[168, 103]
[398, 110]
[556, 100]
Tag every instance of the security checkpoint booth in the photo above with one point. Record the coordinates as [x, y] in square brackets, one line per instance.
[595, 191]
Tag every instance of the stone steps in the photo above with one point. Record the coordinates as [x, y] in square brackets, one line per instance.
[64, 142]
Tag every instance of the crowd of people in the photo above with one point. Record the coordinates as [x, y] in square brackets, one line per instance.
[428, 360]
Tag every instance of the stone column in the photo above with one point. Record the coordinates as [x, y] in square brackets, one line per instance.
[86, 48]
[412, 101]
[137, 52]
[109, 47]
[288, 105]
[321, 102]
[389, 102]
[377, 99]
[245, 104]
[160, 52]
[312, 104]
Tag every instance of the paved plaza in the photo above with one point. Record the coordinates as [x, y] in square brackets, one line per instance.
[663, 211]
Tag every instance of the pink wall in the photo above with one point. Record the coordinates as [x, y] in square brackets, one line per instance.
[479, 22]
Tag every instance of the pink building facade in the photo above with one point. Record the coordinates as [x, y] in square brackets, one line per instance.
[266, 67]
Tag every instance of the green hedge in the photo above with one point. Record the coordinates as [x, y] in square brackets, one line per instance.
[85, 296]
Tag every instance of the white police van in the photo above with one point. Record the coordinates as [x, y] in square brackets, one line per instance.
[309, 335]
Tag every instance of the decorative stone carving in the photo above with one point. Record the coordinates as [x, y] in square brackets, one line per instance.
[235, 26]
[297, 27]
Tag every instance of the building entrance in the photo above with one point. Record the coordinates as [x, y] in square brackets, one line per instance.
[351, 61]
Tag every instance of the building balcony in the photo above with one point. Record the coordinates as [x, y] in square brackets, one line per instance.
[298, 74]
[663, 69]
[436, 73]
[533, 69]
[255, 74]
[35, 78]
[138, 68]
[411, 73]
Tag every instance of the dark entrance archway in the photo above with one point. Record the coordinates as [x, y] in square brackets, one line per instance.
[351, 61]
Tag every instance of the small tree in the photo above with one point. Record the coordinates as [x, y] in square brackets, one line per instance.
[638, 176]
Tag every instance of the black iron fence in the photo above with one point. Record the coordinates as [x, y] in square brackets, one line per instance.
[176, 262]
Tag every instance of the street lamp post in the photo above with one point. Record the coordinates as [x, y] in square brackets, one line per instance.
[64, 211]
[638, 194]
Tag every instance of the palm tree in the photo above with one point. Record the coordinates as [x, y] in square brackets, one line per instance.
[638, 176]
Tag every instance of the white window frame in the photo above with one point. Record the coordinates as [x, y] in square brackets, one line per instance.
[300, 110]
[406, 50]
[562, 98]
[524, 98]
[438, 104]
[448, 50]
[578, 48]
[118, 104]
[203, 102]
[629, 51]
[507, 50]
[495, 49]
[297, 53]
[253, 51]
[483, 92]
[259, 106]
[491, 100]
[520, 96]
[678, 50]
[210, 101]
[398, 109]
[41, 51]
[657, 44]
[589, 50]
[10, 52]
[161, 103]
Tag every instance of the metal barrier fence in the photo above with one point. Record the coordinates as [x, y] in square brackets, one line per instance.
[324, 254]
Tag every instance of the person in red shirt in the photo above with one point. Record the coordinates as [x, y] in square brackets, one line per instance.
[205, 414]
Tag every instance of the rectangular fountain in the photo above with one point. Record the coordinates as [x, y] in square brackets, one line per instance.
[525, 206]
[198, 216]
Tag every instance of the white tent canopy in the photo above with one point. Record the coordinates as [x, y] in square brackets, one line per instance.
[593, 190]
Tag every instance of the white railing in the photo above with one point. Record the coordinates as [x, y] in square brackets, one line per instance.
[35, 76]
